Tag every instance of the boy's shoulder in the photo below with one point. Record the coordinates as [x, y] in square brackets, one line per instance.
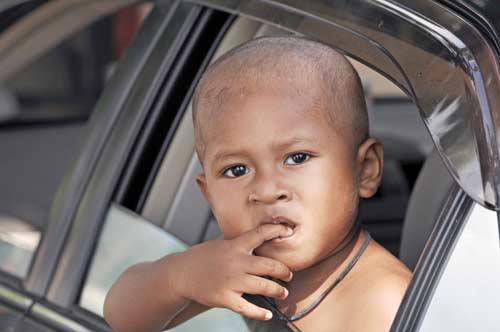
[376, 290]
[368, 298]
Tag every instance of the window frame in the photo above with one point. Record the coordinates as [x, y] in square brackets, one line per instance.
[477, 220]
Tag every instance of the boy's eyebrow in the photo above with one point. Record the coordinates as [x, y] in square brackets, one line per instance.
[282, 145]
[222, 155]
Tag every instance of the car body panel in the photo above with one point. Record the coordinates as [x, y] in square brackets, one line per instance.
[10, 317]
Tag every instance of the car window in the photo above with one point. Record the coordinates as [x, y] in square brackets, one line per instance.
[467, 296]
[44, 109]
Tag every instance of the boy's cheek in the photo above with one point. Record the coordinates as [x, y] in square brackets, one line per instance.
[231, 223]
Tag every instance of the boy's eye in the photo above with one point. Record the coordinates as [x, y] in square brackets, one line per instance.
[236, 171]
[297, 158]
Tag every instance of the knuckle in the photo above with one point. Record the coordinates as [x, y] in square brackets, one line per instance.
[260, 230]
[265, 287]
[277, 290]
[239, 308]
[284, 270]
[270, 267]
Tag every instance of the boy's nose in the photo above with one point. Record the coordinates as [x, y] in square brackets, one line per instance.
[269, 193]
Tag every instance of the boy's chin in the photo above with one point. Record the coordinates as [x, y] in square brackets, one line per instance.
[290, 258]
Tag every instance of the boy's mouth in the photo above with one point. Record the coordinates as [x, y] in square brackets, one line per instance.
[283, 221]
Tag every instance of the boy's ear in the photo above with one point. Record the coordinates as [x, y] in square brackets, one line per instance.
[202, 184]
[371, 163]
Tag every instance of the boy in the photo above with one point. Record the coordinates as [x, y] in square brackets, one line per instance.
[282, 134]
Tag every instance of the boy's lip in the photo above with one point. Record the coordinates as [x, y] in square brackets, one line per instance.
[280, 220]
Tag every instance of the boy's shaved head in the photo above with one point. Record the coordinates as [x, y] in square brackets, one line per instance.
[284, 65]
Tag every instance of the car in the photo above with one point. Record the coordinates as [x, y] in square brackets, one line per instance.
[97, 147]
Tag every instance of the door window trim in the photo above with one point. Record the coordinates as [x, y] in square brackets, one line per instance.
[445, 234]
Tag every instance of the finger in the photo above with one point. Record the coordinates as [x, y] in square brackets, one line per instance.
[255, 237]
[245, 308]
[264, 266]
[262, 286]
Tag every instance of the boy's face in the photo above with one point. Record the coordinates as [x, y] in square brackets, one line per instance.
[273, 157]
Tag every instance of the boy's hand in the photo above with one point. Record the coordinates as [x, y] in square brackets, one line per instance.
[217, 273]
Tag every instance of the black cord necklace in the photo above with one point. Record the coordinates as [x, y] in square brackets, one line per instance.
[289, 320]
[337, 280]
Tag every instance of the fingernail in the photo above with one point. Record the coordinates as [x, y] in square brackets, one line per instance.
[290, 276]
[269, 315]
[289, 231]
[285, 293]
